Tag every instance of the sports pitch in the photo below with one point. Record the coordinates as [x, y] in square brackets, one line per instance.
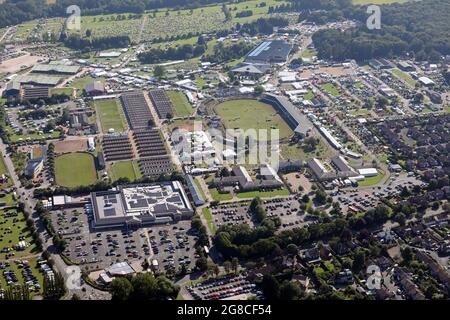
[247, 114]
[111, 116]
[75, 169]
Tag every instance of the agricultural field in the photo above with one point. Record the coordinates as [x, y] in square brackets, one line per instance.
[181, 104]
[241, 114]
[111, 115]
[124, 169]
[75, 169]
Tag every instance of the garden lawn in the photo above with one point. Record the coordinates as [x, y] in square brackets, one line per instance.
[181, 104]
[75, 169]
[241, 114]
[219, 196]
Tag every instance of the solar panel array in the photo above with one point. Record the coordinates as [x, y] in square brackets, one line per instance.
[161, 102]
[136, 109]
[117, 147]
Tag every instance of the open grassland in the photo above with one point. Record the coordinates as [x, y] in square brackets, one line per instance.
[247, 114]
[111, 25]
[181, 104]
[173, 22]
[125, 169]
[111, 115]
[75, 169]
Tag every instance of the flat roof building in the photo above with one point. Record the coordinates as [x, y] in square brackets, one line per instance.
[140, 205]
[194, 190]
[271, 51]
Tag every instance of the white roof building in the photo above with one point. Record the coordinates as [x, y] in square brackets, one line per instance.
[368, 172]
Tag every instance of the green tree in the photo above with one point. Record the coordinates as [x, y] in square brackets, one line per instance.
[120, 289]
[159, 72]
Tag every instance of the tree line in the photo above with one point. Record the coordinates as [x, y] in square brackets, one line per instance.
[186, 51]
[418, 27]
[18, 11]
[75, 41]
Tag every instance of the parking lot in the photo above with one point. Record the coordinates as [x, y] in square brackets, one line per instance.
[365, 199]
[223, 288]
[287, 209]
[171, 245]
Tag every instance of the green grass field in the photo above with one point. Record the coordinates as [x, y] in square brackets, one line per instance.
[125, 169]
[220, 196]
[32, 136]
[209, 218]
[309, 95]
[68, 91]
[263, 194]
[111, 115]
[3, 169]
[241, 114]
[371, 181]
[404, 76]
[331, 89]
[75, 169]
[11, 228]
[181, 104]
